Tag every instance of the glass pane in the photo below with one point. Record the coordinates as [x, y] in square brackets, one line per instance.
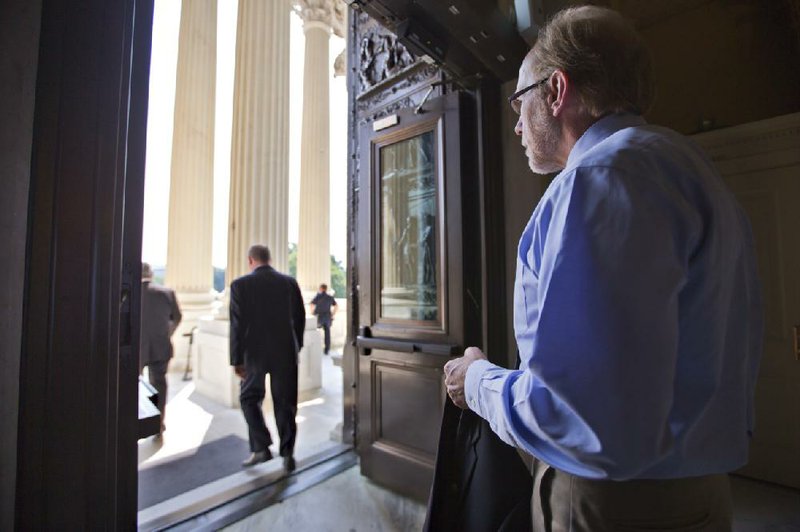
[409, 288]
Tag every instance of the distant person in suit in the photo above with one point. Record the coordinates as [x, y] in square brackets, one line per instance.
[324, 307]
[160, 317]
[267, 321]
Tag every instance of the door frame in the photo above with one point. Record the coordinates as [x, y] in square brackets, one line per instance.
[76, 464]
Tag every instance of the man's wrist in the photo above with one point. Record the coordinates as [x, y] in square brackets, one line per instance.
[472, 381]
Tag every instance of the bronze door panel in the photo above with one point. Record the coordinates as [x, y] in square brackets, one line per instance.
[401, 425]
[405, 401]
[411, 292]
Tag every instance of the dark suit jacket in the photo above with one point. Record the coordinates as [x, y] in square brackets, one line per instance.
[480, 484]
[160, 317]
[267, 320]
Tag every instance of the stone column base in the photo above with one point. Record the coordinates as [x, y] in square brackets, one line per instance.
[193, 307]
[213, 375]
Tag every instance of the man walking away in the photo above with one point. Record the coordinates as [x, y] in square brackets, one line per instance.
[267, 318]
[324, 307]
[160, 317]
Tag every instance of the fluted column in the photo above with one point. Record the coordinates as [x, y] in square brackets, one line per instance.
[259, 193]
[191, 194]
[313, 246]
[189, 270]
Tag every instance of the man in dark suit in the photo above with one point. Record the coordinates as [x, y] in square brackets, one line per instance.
[324, 307]
[160, 317]
[267, 322]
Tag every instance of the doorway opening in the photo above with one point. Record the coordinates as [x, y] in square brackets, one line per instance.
[196, 463]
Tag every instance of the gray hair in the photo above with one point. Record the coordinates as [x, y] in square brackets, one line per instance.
[259, 253]
[602, 54]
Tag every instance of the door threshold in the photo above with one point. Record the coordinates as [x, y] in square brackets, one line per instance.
[232, 498]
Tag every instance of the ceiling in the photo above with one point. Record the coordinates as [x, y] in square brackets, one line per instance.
[647, 13]
[481, 36]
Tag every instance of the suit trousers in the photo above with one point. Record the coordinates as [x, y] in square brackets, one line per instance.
[324, 322]
[157, 377]
[283, 386]
[563, 502]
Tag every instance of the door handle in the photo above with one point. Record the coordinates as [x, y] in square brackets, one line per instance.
[364, 333]
[367, 344]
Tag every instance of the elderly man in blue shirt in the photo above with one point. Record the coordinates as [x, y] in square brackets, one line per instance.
[637, 309]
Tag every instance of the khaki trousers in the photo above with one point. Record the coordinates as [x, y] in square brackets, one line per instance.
[562, 502]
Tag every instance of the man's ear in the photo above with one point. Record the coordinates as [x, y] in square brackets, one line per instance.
[559, 93]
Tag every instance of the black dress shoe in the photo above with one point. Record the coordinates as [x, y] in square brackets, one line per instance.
[288, 464]
[257, 458]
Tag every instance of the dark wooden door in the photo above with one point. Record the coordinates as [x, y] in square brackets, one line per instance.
[76, 461]
[415, 183]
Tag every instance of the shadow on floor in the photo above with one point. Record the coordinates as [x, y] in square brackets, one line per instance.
[350, 502]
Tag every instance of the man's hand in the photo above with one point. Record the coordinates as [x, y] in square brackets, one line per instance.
[455, 373]
[240, 371]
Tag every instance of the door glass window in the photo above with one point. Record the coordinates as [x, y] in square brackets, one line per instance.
[409, 258]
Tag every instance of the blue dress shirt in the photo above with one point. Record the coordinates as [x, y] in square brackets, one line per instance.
[637, 313]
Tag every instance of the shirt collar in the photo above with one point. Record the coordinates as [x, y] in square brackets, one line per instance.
[601, 130]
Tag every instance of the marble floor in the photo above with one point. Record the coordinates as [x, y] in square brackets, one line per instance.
[193, 420]
[345, 502]
[762, 507]
[350, 502]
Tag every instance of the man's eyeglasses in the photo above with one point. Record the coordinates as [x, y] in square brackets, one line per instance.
[514, 100]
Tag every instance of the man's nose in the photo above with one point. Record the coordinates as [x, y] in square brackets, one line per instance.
[518, 127]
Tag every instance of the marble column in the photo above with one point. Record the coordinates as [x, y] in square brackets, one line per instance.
[189, 271]
[313, 246]
[259, 192]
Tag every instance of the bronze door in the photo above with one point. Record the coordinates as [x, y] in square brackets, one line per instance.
[412, 183]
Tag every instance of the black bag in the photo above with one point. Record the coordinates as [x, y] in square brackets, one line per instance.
[480, 484]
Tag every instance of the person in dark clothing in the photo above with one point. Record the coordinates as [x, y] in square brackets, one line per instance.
[324, 307]
[160, 317]
[267, 322]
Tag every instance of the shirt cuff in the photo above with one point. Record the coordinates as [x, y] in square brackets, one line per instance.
[472, 384]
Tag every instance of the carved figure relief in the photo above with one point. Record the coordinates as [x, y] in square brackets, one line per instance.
[381, 57]
[390, 78]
